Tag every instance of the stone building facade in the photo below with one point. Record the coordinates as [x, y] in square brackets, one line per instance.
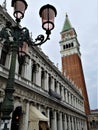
[41, 88]
[93, 120]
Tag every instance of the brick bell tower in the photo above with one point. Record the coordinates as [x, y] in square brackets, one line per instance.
[71, 59]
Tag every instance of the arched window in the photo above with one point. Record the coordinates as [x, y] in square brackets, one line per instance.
[72, 44]
[34, 70]
[55, 85]
[60, 89]
[69, 45]
[21, 60]
[49, 81]
[64, 47]
[93, 123]
[43, 78]
[16, 118]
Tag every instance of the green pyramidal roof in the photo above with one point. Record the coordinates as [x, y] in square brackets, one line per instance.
[67, 24]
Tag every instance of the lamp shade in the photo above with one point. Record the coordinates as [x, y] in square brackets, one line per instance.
[19, 8]
[23, 50]
[48, 13]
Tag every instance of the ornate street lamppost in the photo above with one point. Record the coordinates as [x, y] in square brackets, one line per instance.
[16, 38]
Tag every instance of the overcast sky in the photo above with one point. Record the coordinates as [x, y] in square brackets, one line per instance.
[83, 16]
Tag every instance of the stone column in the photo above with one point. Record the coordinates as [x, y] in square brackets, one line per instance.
[66, 95]
[64, 122]
[79, 105]
[26, 119]
[28, 66]
[58, 88]
[54, 121]
[75, 102]
[62, 93]
[59, 125]
[76, 124]
[48, 115]
[25, 73]
[81, 124]
[69, 123]
[38, 76]
[69, 98]
[72, 121]
[17, 64]
[85, 125]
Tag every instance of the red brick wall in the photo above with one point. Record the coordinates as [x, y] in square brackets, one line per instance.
[73, 69]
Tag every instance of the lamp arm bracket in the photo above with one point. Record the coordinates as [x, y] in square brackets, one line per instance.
[41, 39]
[10, 33]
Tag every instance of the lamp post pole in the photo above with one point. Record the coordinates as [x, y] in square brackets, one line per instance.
[7, 105]
[20, 36]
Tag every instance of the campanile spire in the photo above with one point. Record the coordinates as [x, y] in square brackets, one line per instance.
[67, 24]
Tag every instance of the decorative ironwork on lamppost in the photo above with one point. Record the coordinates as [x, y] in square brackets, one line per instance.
[15, 37]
